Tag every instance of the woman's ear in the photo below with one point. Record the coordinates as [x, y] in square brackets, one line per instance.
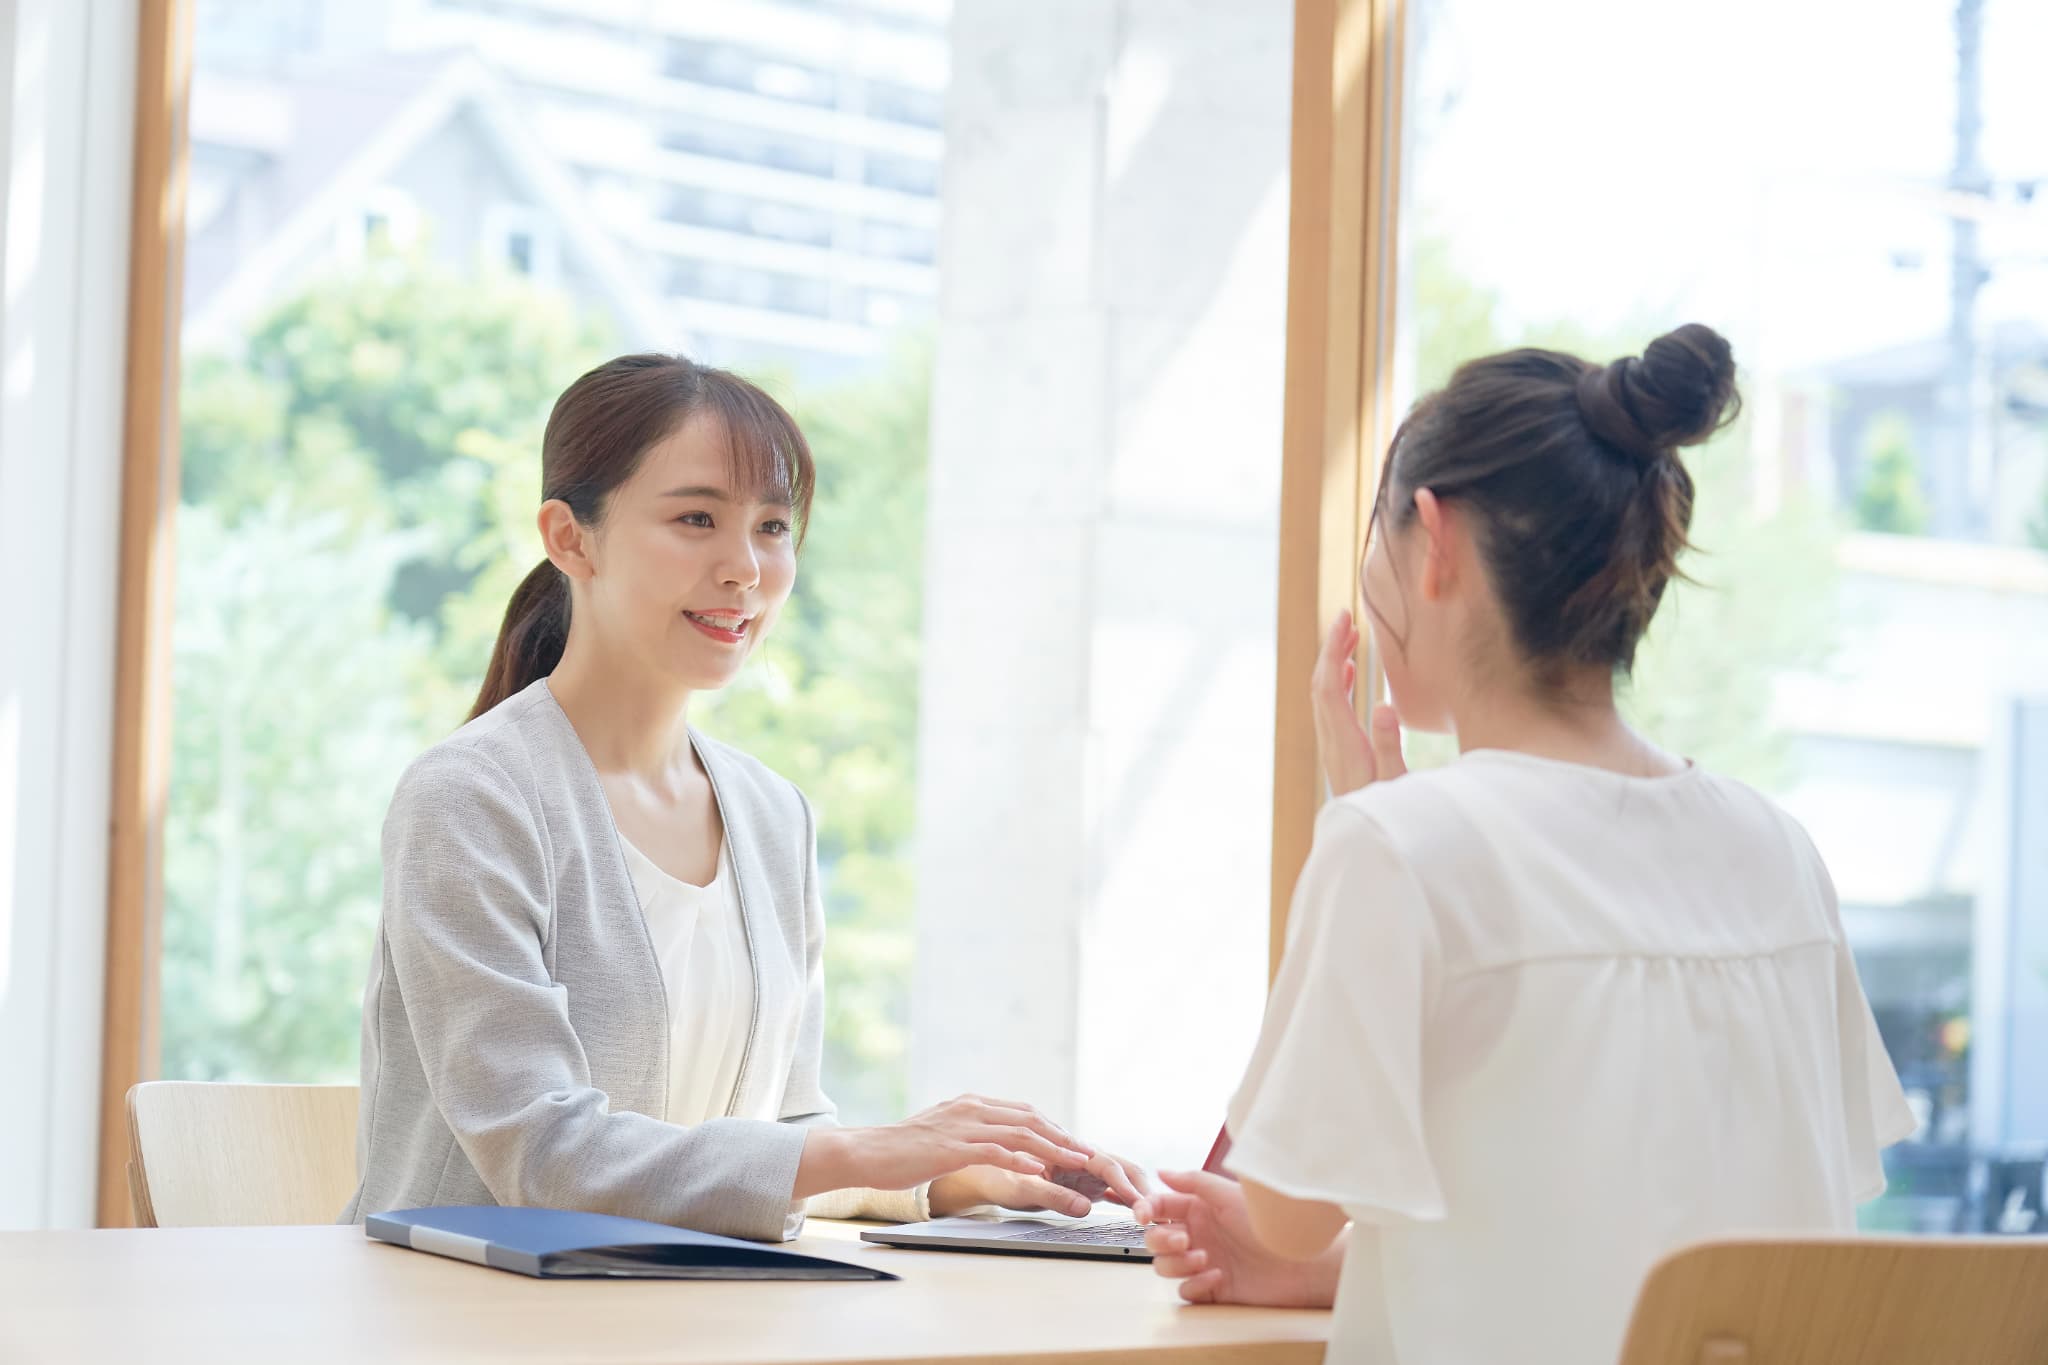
[1439, 557]
[566, 540]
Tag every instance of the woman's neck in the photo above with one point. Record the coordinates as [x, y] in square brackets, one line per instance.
[627, 721]
[1577, 724]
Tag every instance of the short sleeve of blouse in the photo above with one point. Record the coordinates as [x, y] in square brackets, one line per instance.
[1874, 1109]
[1330, 1107]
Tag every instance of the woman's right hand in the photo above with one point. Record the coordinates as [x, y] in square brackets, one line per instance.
[972, 1130]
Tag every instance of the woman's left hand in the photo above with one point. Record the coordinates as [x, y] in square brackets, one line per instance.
[1351, 757]
[1059, 1191]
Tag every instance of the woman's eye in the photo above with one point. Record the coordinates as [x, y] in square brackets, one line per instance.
[695, 519]
[775, 527]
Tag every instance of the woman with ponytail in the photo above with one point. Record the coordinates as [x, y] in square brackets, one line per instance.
[1570, 1002]
[597, 981]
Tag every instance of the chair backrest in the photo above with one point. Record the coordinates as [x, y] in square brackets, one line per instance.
[210, 1155]
[1845, 1301]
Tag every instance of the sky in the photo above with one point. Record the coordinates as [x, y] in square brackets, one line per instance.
[1764, 165]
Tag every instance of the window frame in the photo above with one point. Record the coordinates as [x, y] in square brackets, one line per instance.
[1339, 415]
[131, 1048]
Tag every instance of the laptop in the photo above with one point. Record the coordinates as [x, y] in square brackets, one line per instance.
[1103, 1236]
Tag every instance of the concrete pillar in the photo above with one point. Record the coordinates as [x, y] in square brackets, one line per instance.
[1096, 733]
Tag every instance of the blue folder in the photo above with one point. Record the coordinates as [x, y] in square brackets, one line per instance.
[560, 1244]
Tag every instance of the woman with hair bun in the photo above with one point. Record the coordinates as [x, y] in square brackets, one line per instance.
[1571, 1002]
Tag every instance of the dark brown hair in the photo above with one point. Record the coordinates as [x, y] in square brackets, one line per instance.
[1570, 470]
[601, 428]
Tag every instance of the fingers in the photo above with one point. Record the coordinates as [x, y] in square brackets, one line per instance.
[1386, 743]
[1083, 1183]
[1202, 1288]
[1204, 1185]
[1117, 1174]
[1180, 1267]
[1166, 1241]
[1165, 1207]
[1023, 1141]
[1337, 646]
[1342, 743]
[1025, 1129]
[1026, 1114]
[996, 1154]
[1028, 1193]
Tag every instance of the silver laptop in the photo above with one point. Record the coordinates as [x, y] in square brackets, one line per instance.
[1106, 1234]
[1114, 1237]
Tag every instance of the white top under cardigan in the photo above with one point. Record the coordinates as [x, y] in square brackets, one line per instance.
[701, 944]
[1540, 1024]
[515, 1024]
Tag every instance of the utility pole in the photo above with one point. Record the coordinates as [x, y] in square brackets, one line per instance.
[1957, 498]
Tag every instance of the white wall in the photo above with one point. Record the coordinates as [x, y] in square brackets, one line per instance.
[66, 127]
[1095, 757]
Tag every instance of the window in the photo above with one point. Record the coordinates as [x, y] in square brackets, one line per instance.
[736, 68]
[899, 242]
[726, 283]
[749, 215]
[749, 146]
[901, 173]
[522, 240]
[388, 221]
[904, 104]
[1874, 521]
[1040, 753]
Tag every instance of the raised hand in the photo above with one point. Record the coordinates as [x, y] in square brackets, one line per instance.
[1351, 756]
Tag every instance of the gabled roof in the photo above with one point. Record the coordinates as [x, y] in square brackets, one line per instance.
[328, 135]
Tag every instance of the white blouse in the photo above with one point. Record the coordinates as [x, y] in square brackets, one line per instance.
[701, 943]
[1539, 1024]
[700, 939]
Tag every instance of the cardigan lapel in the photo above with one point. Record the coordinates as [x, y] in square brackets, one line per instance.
[741, 844]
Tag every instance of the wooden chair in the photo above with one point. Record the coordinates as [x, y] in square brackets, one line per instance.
[208, 1155]
[1846, 1301]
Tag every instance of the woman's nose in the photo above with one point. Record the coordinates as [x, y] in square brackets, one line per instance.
[741, 567]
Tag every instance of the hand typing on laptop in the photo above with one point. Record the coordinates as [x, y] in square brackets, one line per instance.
[1072, 1191]
[974, 1151]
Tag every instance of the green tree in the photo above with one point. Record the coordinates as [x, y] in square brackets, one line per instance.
[1890, 499]
[291, 726]
[328, 481]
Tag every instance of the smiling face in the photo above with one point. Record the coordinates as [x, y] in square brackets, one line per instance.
[690, 565]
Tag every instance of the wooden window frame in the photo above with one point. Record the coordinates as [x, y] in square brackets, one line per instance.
[1338, 417]
[1341, 292]
[130, 1048]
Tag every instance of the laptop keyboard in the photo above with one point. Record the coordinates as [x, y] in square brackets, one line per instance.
[1094, 1235]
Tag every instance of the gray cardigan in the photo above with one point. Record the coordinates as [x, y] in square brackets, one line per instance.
[515, 1026]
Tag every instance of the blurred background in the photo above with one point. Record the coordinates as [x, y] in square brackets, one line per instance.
[1019, 267]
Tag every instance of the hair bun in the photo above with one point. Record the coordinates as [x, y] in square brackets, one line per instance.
[1680, 391]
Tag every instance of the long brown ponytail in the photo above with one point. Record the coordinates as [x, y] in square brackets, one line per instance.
[600, 429]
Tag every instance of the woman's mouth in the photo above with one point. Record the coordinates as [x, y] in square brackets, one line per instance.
[726, 627]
